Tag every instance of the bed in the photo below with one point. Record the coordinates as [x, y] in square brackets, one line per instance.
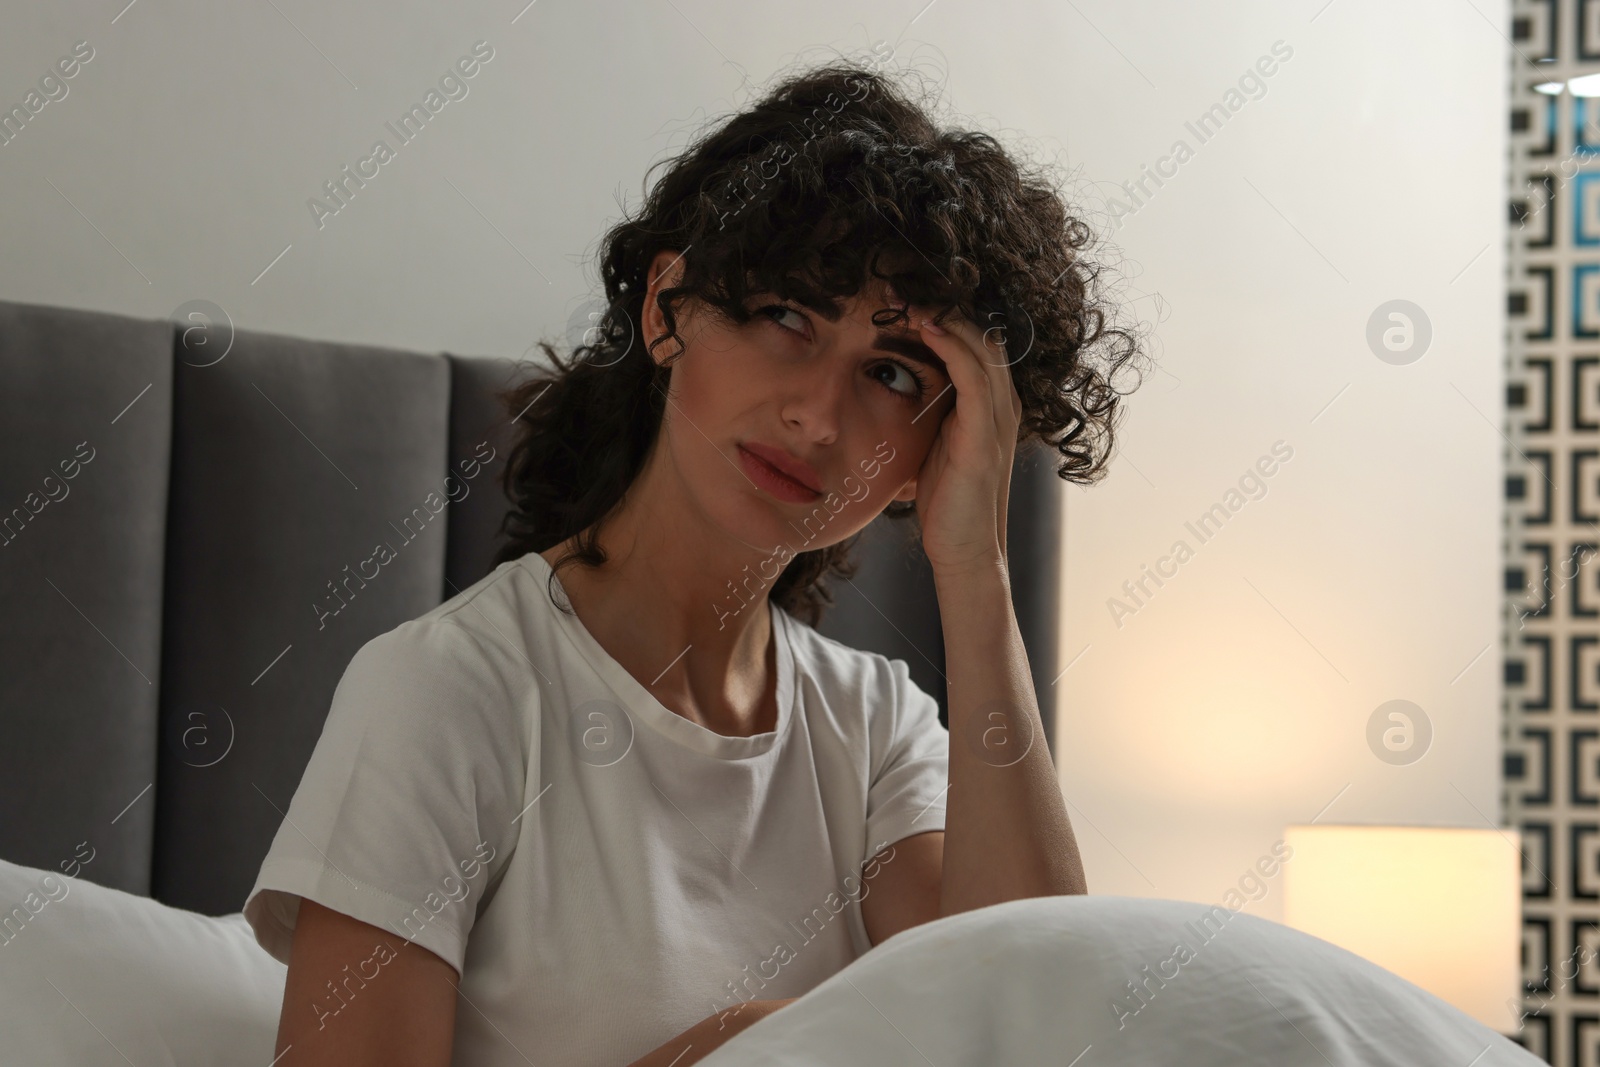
[96, 976]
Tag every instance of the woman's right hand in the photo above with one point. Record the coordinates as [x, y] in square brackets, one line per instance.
[709, 1034]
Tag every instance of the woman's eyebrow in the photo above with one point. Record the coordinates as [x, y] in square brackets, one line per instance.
[907, 345]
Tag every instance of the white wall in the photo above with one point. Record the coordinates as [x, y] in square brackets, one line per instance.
[180, 163]
[1236, 700]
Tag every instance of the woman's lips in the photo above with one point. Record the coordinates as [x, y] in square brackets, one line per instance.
[773, 480]
[792, 467]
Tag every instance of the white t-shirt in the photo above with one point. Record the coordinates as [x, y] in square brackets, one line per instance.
[603, 873]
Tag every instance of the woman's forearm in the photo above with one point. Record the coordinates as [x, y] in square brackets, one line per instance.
[1007, 835]
[709, 1034]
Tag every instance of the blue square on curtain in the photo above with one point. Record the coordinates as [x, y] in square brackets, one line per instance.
[1585, 138]
[1586, 300]
[1586, 209]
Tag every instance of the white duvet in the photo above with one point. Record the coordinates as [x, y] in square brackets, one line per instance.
[1051, 981]
[91, 976]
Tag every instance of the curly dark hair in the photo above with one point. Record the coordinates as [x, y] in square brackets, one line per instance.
[832, 175]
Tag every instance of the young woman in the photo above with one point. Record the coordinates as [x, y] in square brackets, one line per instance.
[619, 800]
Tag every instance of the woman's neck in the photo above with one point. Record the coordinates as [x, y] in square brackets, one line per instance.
[660, 606]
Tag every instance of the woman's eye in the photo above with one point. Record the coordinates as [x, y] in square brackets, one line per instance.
[776, 311]
[912, 386]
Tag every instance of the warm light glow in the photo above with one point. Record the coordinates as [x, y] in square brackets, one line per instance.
[1440, 907]
[1588, 85]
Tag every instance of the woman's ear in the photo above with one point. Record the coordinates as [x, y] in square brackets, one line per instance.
[665, 272]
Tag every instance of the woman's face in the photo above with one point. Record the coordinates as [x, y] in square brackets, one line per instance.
[841, 399]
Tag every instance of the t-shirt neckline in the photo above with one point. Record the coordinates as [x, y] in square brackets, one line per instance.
[642, 704]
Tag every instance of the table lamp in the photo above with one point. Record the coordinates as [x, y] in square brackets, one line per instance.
[1439, 906]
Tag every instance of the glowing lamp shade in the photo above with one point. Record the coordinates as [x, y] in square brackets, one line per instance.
[1440, 907]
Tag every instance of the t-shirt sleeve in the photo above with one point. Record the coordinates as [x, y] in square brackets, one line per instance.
[911, 765]
[404, 813]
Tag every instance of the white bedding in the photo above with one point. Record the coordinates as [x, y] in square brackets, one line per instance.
[93, 976]
[1034, 982]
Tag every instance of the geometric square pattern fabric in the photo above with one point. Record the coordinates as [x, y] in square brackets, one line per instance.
[1551, 720]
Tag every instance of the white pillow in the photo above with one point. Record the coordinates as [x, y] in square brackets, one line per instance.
[92, 976]
[1040, 981]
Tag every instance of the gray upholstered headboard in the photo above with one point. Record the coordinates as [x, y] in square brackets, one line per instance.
[180, 537]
